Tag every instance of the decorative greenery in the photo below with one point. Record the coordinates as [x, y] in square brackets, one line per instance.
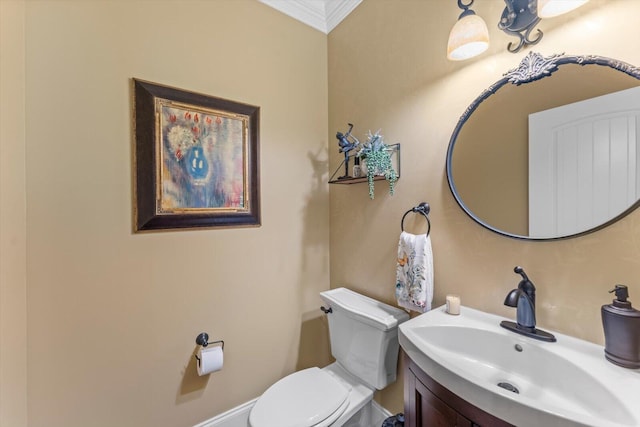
[378, 159]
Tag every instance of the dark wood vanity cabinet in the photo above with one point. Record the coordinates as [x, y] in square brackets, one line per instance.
[428, 404]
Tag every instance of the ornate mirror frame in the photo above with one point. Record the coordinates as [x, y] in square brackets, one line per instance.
[533, 67]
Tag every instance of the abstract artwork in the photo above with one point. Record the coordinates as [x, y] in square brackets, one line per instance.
[196, 160]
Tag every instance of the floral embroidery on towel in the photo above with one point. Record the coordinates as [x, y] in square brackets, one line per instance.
[414, 272]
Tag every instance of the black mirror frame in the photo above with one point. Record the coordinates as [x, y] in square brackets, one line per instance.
[534, 67]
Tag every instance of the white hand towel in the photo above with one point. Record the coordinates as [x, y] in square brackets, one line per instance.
[414, 272]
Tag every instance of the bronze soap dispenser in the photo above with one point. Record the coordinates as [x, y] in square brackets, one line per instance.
[621, 324]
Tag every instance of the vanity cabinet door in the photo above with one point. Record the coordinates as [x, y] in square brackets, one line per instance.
[429, 404]
[431, 411]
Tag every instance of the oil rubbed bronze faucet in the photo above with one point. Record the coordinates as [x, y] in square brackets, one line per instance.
[523, 298]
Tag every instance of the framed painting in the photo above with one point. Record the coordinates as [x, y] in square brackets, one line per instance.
[196, 160]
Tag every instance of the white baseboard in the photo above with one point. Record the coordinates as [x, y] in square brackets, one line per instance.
[239, 416]
[235, 417]
[378, 414]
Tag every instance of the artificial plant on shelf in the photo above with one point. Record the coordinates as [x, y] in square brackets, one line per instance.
[377, 156]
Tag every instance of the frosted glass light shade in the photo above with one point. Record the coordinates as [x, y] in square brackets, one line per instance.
[551, 8]
[469, 37]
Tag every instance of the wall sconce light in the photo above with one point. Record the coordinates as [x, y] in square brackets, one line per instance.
[469, 36]
[551, 8]
[520, 18]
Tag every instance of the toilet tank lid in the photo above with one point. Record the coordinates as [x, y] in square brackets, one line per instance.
[375, 313]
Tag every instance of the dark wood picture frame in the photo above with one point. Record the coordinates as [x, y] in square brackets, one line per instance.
[196, 160]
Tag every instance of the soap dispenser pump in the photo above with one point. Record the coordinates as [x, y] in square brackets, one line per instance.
[621, 324]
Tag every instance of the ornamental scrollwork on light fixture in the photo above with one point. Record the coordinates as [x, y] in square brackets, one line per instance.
[519, 18]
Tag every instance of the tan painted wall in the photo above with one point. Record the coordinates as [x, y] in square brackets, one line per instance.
[387, 69]
[13, 229]
[113, 315]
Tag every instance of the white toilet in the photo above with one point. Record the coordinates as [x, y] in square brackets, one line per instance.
[364, 342]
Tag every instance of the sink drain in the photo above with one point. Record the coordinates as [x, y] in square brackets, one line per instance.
[509, 387]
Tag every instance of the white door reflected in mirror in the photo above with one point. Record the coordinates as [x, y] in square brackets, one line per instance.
[583, 160]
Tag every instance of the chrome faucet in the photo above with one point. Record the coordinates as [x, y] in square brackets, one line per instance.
[523, 298]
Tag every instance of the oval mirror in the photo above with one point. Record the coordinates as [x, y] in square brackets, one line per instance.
[551, 150]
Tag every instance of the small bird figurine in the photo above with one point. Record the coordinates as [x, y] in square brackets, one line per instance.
[343, 140]
[346, 145]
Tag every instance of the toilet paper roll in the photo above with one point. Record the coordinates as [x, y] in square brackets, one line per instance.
[210, 359]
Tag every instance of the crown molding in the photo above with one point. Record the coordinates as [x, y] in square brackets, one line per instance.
[323, 15]
[337, 10]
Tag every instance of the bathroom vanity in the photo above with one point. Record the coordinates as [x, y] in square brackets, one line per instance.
[467, 370]
[427, 403]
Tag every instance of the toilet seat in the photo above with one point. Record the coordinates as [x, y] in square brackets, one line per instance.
[307, 398]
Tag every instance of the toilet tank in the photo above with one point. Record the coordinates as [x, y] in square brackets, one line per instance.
[364, 335]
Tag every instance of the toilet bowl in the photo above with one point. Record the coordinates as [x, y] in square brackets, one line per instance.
[312, 397]
[364, 341]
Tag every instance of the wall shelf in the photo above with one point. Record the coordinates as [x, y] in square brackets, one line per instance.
[337, 179]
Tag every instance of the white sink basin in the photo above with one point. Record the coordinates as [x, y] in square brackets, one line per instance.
[563, 383]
